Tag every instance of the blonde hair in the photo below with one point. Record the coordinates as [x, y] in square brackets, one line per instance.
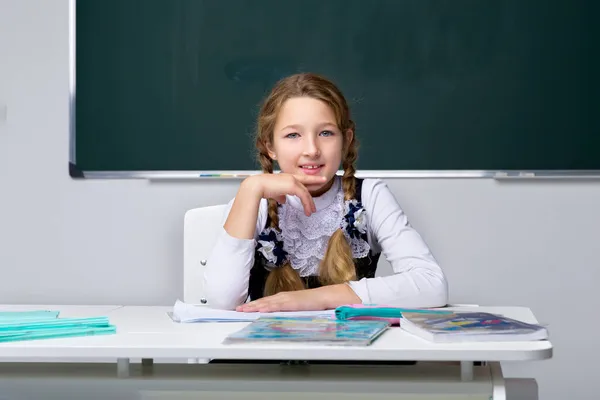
[337, 265]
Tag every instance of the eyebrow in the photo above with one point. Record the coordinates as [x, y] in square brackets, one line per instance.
[292, 127]
[321, 126]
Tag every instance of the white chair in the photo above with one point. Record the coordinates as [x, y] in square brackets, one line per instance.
[200, 229]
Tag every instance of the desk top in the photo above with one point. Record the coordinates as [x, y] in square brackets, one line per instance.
[148, 332]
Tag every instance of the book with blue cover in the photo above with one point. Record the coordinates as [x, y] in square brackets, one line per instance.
[470, 327]
[46, 324]
[309, 330]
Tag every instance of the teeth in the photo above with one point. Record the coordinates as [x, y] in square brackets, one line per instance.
[311, 166]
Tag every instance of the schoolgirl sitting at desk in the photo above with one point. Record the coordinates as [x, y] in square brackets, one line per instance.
[306, 238]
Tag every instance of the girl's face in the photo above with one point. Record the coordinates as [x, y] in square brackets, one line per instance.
[307, 140]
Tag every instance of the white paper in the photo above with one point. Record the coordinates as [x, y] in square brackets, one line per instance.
[184, 312]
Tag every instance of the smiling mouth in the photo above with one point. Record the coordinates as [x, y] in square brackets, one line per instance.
[311, 166]
[311, 169]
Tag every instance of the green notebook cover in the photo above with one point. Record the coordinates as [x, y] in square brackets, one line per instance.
[56, 333]
[9, 316]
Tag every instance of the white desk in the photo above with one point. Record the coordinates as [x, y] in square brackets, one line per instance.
[149, 333]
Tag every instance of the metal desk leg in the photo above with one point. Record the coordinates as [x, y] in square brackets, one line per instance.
[122, 367]
[498, 384]
[466, 371]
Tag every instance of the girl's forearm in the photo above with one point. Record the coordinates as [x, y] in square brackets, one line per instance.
[241, 221]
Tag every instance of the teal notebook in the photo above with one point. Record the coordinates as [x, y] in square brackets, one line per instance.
[27, 315]
[30, 325]
[379, 312]
[309, 330]
[25, 334]
[61, 323]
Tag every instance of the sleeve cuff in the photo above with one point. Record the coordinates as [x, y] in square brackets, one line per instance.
[361, 290]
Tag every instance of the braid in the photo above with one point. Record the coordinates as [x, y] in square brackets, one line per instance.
[283, 278]
[351, 154]
[267, 166]
[337, 265]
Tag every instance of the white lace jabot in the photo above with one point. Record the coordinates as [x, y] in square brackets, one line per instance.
[305, 238]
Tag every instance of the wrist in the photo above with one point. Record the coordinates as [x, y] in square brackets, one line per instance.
[252, 187]
[334, 296]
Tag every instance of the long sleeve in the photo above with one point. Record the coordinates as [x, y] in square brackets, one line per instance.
[227, 269]
[418, 281]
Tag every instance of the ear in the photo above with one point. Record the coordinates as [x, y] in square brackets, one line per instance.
[271, 152]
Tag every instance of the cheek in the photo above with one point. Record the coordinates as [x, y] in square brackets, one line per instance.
[334, 152]
[286, 157]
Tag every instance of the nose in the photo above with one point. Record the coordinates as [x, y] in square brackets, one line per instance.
[311, 148]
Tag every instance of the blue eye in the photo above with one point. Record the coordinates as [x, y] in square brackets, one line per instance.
[291, 135]
[327, 133]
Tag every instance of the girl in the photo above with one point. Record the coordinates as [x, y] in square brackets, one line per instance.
[306, 238]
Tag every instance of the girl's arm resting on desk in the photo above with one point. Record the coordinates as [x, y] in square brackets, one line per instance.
[418, 281]
[227, 269]
[322, 298]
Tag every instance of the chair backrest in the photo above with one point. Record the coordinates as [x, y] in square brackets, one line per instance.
[200, 229]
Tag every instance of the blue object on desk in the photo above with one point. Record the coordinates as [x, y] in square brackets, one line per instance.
[27, 315]
[16, 326]
[365, 311]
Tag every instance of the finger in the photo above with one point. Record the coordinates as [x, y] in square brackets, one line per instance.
[263, 305]
[248, 307]
[310, 179]
[280, 199]
[307, 201]
[269, 307]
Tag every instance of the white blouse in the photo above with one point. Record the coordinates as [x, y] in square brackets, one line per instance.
[417, 281]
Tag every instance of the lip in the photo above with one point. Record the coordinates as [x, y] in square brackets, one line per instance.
[312, 171]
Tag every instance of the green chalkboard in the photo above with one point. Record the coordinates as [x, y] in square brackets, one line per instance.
[175, 85]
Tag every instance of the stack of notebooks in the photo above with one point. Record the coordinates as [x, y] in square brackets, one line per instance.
[360, 325]
[458, 327]
[30, 325]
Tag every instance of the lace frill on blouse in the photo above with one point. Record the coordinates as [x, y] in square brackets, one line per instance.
[305, 239]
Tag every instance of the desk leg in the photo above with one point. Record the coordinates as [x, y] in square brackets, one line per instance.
[147, 365]
[498, 384]
[122, 367]
[466, 371]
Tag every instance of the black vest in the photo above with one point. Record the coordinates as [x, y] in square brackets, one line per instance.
[365, 267]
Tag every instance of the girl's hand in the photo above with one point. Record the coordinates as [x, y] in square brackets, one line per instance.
[323, 298]
[299, 300]
[277, 186]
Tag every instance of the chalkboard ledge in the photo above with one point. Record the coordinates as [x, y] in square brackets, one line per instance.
[76, 173]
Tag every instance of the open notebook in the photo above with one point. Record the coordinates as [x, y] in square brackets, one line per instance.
[187, 313]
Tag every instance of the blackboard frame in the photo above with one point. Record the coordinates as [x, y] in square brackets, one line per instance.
[77, 173]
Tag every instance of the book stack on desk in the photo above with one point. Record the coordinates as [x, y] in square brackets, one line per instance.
[30, 325]
[447, 326]
[470, 327]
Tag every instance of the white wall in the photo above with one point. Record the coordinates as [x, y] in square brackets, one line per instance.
[120, 242]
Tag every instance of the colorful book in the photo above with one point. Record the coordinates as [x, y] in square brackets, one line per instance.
[309, 330]
[470, 327]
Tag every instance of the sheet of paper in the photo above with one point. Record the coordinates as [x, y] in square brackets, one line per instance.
[185, 312]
